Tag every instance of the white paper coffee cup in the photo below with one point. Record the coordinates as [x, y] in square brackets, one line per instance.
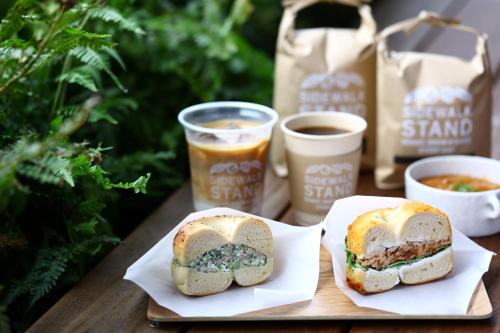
[322, 168]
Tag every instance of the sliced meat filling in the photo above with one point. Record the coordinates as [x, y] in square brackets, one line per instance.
[406, 251]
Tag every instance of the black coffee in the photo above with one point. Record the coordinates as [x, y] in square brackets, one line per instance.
[321, 130]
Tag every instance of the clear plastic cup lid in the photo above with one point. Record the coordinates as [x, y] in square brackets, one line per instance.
[195, 116]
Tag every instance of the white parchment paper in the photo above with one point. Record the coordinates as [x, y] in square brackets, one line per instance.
[447, 296]
[294, 278]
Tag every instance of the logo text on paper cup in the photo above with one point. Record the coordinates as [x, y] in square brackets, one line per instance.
[324, 183]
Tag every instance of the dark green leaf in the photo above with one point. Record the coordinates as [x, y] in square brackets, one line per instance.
[110, 14]
[22, 12]
[71, 38]
[49, 266]
[82, 76]
[101, 114]
[86, 228]
[91, 207]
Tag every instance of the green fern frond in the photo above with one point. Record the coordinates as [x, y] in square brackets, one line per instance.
[116, 80]
[44, 59]
[48, 268]
[115, 55]
[101, 114]
[83, 166]
[109, 14]
[90, 57]
[48, 170]
[121, 103]
[82, 75]
[89, 244]
[102, 111]
[94, 59]
[56, 123]
[86, 228]
[39, 174]
[139, 186]
[61, 167]
[17, 17]
[71, 38]
[14, 44]
[91, 207]
[68, 110]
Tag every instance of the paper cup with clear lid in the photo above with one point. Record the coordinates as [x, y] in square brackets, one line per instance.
[227, 144]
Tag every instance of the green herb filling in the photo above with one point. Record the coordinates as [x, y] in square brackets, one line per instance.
[227, 258]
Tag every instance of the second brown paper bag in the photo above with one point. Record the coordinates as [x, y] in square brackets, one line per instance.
[325, 69]
[429, 104]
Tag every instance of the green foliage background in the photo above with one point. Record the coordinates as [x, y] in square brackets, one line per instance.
[89, 142]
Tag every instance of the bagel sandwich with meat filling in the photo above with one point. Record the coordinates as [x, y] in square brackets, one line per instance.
[210, 253]
[410, 244]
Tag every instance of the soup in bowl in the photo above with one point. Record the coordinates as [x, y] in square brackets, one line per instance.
[459, 183]
[467, 188]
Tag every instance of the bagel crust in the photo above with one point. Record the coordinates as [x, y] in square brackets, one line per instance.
[387, 246]
[390, 221]
[197, 241]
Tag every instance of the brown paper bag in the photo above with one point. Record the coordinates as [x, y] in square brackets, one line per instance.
[429, 104]
[324, 69]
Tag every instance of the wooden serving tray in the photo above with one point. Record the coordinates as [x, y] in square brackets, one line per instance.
[329, 303]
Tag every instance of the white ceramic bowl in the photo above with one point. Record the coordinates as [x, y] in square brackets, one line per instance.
[473, 213]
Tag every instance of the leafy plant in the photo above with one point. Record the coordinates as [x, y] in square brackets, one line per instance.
[176, 68]
[52, 85]
[89, 94]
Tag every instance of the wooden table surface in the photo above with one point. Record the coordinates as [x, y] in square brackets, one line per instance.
[104, 302]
